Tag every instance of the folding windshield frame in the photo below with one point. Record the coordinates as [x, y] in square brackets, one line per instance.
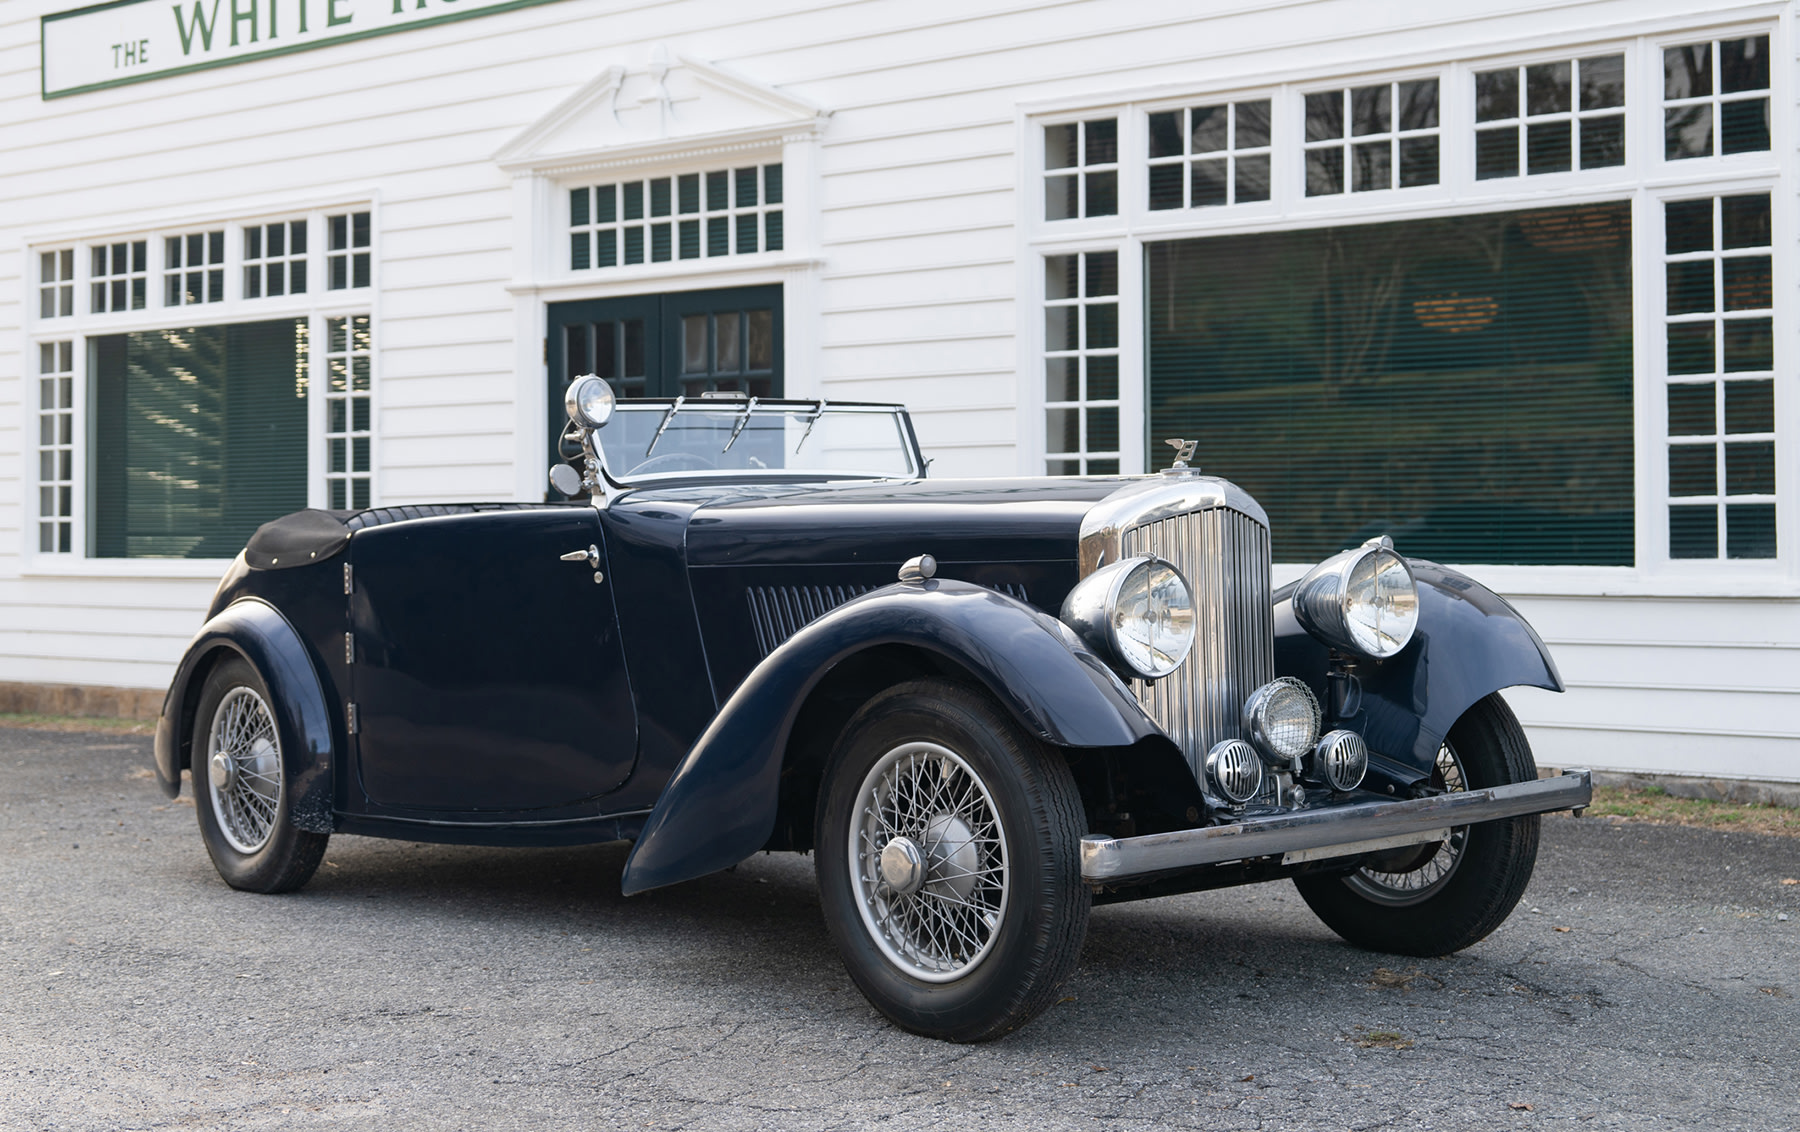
[673, 407]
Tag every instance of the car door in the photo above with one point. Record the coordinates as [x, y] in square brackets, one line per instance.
[487, 673]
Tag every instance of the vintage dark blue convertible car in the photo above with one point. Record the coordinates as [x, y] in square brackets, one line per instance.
[986, 705]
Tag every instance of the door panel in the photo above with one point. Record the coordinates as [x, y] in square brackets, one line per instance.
[683, 343]
[488, 672]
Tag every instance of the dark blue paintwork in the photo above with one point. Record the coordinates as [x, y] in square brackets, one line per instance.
[255, 630]
[489, 677]
[647, 702]
[1470, 643]
[720, 806]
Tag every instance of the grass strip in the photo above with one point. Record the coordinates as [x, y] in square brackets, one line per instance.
[31, 721]
[1656, 805]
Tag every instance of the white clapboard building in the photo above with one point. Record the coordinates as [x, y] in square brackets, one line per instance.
[1512, 281]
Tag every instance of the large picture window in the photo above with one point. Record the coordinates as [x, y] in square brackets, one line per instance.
[200, 436]
[1463, 384]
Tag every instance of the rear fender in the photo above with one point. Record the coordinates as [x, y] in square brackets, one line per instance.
[1470, 643]
[256, 631]
[721, 804]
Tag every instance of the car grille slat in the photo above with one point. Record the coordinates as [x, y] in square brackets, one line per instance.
[778, 612]
[1225, 556]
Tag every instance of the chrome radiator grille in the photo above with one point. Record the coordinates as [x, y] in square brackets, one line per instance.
[1225, 555]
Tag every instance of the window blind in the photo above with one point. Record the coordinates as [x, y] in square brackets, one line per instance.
[1463, 385]
[199, 437]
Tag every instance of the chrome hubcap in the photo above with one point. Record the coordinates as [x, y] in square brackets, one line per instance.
[928, 862]
[243, 770]
[903, 866]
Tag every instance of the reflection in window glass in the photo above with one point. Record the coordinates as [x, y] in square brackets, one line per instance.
[1716, 98]
[1081, 169]
[1209, 155]
[1372, 137]
[1322, 369]
[1081, 363]
[1550, 117]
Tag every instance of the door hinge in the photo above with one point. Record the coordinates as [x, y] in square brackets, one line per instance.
[349, 582]
[349, 648]
[546, 351]
[350, 722]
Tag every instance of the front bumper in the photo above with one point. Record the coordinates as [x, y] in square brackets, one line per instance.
[1336, 831]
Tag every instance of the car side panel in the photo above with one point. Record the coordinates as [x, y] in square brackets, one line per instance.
[1470, 643]
[720, 807]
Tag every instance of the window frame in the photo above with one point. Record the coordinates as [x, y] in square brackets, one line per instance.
[315, 305]
[1645, 180]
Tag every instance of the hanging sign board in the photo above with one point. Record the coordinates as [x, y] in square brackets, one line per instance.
[129, 41]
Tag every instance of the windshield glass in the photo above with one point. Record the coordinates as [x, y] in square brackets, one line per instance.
[733, 437]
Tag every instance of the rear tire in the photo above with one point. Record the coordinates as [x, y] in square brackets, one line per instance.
[240, 787]
[1444, 897]
[949, 862]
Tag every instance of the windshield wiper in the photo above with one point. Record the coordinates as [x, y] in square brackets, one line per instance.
[743, 419]
[663, 427]
[818, 411]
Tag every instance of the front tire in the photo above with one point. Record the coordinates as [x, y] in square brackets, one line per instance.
[1443, 897]
[240, 787]
[949, 867]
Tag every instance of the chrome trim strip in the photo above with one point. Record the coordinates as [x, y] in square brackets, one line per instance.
[1107, 860]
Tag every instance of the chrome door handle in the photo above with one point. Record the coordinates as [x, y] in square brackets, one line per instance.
[591, 556]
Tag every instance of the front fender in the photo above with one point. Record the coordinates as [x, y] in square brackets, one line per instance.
[720, 805]
[1470, 643]
[256, 631]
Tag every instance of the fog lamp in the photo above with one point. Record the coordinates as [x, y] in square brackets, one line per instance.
[1282, 719]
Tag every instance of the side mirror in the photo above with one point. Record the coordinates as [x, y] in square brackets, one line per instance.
[565, 479]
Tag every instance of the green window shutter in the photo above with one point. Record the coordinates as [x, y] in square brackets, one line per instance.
[1464, 384]
[199, 437]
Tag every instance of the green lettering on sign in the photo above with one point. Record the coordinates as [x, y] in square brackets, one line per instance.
[109, 42]
[204, 24]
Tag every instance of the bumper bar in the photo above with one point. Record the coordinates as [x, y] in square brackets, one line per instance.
[1106, 860]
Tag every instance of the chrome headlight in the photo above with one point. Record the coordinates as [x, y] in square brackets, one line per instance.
[1363, 600]
[589, 401]
[1282, 719]
[1138, 614]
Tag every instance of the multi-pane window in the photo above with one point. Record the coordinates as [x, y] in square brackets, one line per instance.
[1372, 137]
[56, 283]
[717, 213]
[275, 259]
[1209, 155]
[1721, 389]
[1081, 169]
[1550, 117]
[194, 268]
[349, 432]
[56, 446]
[1716, 98]
[118, 275]
[1081, 363]
[347, 251]
[728, 350]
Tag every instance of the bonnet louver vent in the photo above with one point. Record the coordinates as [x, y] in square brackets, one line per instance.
[778, 612]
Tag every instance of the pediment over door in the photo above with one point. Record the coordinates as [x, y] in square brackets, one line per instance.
[666, 107]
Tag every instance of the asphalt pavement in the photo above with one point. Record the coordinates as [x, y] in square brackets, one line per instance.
[1647, 981]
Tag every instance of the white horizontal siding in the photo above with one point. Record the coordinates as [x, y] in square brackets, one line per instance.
[916, 213]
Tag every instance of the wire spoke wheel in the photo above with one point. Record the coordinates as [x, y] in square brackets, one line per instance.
[928, 862]
[243, 769]
[1417, 874]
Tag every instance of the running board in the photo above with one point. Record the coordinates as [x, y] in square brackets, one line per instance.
[1352, 829]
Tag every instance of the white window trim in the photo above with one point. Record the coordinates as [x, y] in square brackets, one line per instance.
[316, 305]
[1645, 179]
